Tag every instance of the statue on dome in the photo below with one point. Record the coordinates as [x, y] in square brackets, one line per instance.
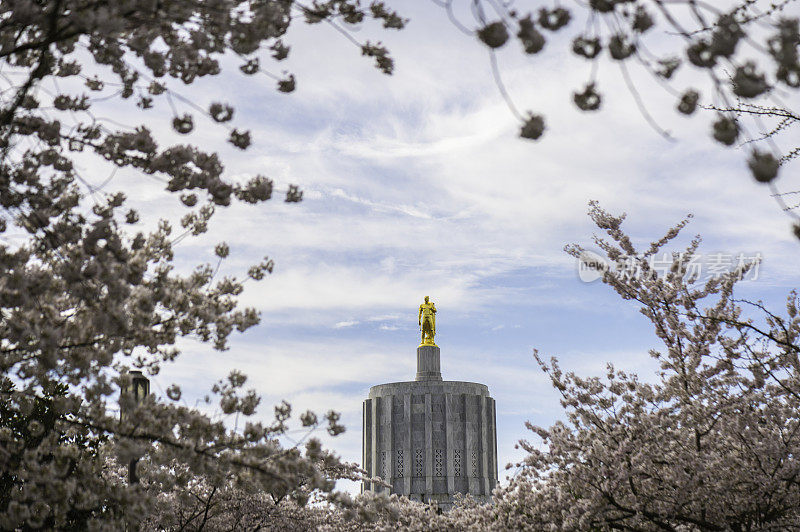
[427, 321]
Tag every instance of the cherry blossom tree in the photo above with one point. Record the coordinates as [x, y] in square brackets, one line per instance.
[229, 508]
[85, 296]
[232, 505]
[711, 444]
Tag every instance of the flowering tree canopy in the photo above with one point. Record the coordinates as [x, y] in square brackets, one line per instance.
[84, 297]
[712, 444]
[746, 50]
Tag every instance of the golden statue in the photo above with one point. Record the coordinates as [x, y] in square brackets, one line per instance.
[427, 321]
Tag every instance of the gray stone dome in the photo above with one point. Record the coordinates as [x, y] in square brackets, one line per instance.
[430, 438]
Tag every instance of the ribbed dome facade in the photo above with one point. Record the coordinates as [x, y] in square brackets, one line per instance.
[430, 438]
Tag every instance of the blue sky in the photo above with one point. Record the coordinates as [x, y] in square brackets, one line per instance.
[416, 184]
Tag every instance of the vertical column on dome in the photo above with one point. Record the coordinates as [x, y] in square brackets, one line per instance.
[448, 423]
[493, 444]
[472, 443]
[418, 442]
[386, 460]
[460, 462]
[366, 435]
[406, 445]
[373, 456]
[439, 442]
[428, 444]
[487, 446]
[397, 459]
[374, 440]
